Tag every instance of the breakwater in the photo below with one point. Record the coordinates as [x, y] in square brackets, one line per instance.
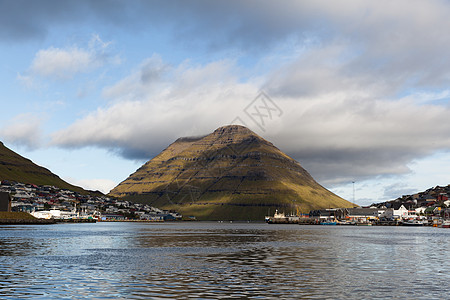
[76, 220]
[26, 221]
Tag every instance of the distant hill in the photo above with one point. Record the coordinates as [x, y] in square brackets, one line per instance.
[14, 167]
[230, 174]
[434, 196]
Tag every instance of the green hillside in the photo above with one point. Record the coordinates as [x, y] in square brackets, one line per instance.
[230, 174]
[17, 168]
[16, 215]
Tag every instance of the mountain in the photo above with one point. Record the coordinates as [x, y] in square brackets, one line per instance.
[230, 174]
[14, 167]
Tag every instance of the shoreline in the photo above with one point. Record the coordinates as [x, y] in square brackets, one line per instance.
[27, 221]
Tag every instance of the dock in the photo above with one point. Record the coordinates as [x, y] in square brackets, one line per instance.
[76, 220]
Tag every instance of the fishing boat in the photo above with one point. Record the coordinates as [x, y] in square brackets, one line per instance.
[278, 218]
[445, 224]
[413, 223]
[347, 223]
[328, 222]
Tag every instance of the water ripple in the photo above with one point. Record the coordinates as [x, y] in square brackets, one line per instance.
[222, 261]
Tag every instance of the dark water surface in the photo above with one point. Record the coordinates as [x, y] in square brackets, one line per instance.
[223, 261]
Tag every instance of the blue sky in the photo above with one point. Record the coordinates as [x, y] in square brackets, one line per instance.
[93, 89]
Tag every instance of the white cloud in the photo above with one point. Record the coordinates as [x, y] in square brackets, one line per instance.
[102, 185]
[64, 63]
[360, 89]
[150, 75]
[340, 139]
[338, 134]
[190, 101]
[23, 130]
[26, 80]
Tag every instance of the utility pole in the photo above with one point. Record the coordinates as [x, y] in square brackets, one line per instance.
[353, 191]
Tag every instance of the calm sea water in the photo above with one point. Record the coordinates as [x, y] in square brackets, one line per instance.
[223, 261]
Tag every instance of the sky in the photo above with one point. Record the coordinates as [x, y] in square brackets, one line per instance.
[356, 91]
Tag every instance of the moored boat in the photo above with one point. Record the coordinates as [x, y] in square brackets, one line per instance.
[278, 218]
[328, 223]
[347, 223]
[445, 224]
[413, 223]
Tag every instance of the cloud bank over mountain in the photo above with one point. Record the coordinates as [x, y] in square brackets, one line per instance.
[362, 86]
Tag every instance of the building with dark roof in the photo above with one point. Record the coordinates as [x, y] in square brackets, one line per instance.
[5, 201]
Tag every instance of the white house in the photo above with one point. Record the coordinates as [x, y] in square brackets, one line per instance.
[420, 210]
[401, 213]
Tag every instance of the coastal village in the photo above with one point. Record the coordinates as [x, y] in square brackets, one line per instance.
[428, 208]
[49, 202]
[431, 207]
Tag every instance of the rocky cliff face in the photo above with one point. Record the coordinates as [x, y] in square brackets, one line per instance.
[230, 174]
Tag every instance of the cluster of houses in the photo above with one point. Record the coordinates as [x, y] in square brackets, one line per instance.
[52, 202]
[383, 215]
[429, 207]
[429, 199]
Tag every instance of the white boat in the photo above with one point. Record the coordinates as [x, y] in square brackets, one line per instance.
[445, 224]
[413, 223]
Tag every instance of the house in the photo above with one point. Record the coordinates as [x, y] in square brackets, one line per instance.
[437, 210]
[442, 197]
[387, 213]
[152, 217]
[401, 213]
[24, 207]
[22, 195]
[420, 210]
[363, 213]
[447, 213]
[429, 210]
[427, 199]
[323, 214]
[5, 201]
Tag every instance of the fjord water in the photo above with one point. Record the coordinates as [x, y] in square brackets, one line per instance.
[223, 261]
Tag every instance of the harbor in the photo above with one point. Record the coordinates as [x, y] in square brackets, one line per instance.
[360, 217]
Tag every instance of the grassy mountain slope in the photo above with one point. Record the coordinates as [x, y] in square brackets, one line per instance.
[230, 174]
[17, 168]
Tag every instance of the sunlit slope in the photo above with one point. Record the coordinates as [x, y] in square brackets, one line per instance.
[17, 168]
[230, 174]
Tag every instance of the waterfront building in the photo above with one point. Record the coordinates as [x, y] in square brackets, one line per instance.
[5, 201]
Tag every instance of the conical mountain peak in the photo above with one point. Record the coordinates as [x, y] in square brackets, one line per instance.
[235, 134]
[230, 174]
[229, 132]
[233, 129]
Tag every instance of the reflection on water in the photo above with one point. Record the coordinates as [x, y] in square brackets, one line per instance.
[221, 260]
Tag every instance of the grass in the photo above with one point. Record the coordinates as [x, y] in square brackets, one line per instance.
[234, 176]
[4, 215]
[14, 167]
